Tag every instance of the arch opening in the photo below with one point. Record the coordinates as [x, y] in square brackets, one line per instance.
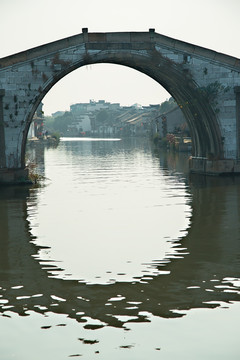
[200, 117]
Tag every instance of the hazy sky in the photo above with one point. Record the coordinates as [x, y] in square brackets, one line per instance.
[24, 24]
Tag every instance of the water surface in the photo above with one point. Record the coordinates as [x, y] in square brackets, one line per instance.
[119, 255]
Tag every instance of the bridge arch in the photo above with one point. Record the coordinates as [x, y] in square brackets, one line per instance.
[185, 70]
[201, 119]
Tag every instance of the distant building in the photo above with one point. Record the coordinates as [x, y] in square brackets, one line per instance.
[81, 125]
[172, 122]
[58, 113]
[101, 118]
[93, 106]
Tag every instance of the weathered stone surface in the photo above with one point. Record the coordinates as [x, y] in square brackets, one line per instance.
[202, 81]
[14, 176]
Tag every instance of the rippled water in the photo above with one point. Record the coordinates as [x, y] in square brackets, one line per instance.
[119, 255]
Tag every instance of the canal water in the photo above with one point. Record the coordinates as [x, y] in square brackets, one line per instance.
[119, 254]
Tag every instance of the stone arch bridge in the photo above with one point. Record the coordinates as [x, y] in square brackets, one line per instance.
[205, 84]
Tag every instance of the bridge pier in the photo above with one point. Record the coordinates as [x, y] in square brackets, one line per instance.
[9, 175]
[2, 133]
[14, 177]
[205, 166]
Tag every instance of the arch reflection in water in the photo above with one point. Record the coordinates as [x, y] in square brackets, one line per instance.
[201, 270]
[111, 217]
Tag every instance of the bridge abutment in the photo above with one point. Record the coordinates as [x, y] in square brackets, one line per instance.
[14, 177]
[2, 133]
[205, 166]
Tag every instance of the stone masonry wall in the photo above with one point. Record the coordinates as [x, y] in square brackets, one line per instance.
[207, 72]
[28, 76]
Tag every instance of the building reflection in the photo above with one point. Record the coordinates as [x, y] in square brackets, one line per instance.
[201, 271]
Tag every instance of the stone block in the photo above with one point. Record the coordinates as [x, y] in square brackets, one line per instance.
[173, 57]
[225, 59]
[97, 37]
[75, 40]
[120, 37]
[185, 47]
[229, 103]
[164, 40]
[25, 67]
[213, 167]
[220, 166]
[11, 87]
[14, 176]
[42, 68]
[229, 117]
[162, 50]
[21, 94]
[140, 37]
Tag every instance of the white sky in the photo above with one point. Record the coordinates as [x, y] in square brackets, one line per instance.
[24, 24]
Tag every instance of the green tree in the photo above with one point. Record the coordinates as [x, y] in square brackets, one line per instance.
[60, 123]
